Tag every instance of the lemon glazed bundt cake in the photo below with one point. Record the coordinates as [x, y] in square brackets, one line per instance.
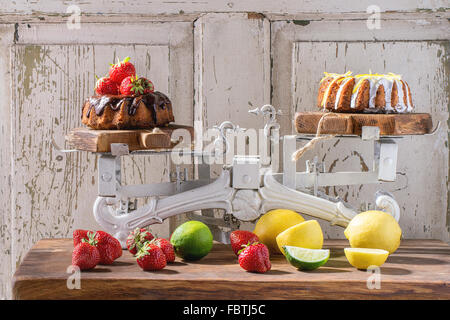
[386, 93]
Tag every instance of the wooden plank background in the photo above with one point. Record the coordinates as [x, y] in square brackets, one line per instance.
[216, 60]
[421, 211]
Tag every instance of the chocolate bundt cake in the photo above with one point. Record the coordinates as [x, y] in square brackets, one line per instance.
[127, 112]
[364, 93]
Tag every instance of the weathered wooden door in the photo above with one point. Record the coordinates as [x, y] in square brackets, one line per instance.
[216, 60]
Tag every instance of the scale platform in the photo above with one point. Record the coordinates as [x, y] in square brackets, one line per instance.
[158, 139]
[352, 123]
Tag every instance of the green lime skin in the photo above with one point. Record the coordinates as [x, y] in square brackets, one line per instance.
[192, 240]
[304, 265]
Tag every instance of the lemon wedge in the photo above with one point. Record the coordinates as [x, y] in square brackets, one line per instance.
[363, 258]
[307, 235]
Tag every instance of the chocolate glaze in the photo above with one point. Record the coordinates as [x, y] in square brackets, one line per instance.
[152, 101]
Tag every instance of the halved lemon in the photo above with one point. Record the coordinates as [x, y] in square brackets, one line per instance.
[271, 224]
[363, 258]
[307, 235]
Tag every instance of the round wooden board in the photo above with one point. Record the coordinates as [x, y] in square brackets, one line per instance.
[352, 123]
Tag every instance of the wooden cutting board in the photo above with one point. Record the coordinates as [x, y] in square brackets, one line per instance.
[419, 269]
[87, 139]
[352, 123]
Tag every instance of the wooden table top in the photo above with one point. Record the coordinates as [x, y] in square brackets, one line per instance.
[419, 269]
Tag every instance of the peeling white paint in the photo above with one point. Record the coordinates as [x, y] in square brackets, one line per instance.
[239, 58]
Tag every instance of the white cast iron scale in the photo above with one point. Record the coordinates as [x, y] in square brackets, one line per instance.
[244, 190]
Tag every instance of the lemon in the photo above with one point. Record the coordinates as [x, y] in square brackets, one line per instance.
[374, 229]
[306, 259]
[273, 223]
[192, 240]
[363, 258]
[307, 234]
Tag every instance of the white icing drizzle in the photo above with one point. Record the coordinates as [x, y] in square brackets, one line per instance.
[400, 107]
[408, 98]
[355, 93]
[374, 83]
[338, 94]
[327, 92]
[335, 77]
[387, 85]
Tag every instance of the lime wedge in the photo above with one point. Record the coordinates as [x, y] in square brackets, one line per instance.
[306, 259]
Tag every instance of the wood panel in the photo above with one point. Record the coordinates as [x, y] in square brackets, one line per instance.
[301, 52]
[419, 269]
[240, 35]
[53, 193]
[232, 72]
[285, 33]
[166, 8]
[232, 68]
[423, 66]
[5, 163]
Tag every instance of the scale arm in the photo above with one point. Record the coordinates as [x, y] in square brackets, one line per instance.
[217, 195]
[276, 195]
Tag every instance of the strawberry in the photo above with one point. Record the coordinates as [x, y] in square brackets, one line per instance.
[166, 247]
[79, 235]
[86, 255]
[133, 85]
[239, 238]
[137, 238]
[151, 257]
[255, 258]
[106, 86]
[121, 70]
[108, 247]
[148, 85]
[126, 85]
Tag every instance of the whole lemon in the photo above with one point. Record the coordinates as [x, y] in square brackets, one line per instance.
[272, 223]
[374, 229]
[307, 234]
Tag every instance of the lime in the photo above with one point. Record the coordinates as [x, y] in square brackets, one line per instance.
[374, 229]
[273, 223]
[307, 234]
[363, 258]
[306, 259]
[192, 240]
